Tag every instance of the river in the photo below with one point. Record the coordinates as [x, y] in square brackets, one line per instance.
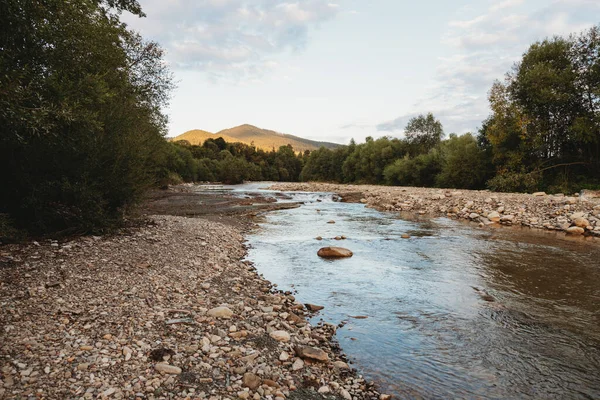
[455, 311]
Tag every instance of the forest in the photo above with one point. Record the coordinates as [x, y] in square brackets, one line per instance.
[82, 126]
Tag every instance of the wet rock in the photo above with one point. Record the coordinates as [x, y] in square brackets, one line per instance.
[334, 252]
[314, 307]
[494, 216]
[575, 230]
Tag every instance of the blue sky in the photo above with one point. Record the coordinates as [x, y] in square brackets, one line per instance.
[340, 69]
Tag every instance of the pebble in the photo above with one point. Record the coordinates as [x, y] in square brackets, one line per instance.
[280, 336]
[220, 312]
[168, 369]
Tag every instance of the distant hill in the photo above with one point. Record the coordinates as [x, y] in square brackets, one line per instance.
[262, 138]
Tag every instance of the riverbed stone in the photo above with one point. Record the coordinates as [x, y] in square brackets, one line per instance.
[494, 216]
[575, 230]
[220, 312]
[314, 307]
[280, 336]
[581, 222]
[334, 252]
[251, 381]
[168, 369]
[311, 353]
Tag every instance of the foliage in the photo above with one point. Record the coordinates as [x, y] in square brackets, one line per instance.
[217, 160]
[414, 171]
[544, 130]
[423, 133]
[80, 113]
[463, 163]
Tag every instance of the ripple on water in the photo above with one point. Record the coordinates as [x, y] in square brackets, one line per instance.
[454, 311]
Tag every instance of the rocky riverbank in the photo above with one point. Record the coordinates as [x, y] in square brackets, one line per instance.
[574, 215]
[168, 310]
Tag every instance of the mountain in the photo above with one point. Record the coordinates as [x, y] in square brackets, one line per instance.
[261, 138]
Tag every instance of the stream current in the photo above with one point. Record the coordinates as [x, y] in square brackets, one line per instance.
[455, 311]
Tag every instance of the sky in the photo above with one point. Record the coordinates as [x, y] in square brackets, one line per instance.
[339, 69]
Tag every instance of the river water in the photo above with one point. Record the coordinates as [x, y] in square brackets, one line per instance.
[455, 311]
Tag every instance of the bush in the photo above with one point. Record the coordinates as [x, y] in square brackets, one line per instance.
[515, 182]
[418, 171]
[464, 164]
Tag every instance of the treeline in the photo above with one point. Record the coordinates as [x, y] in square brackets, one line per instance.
[216, 160]
[82, 128]
[423, 158]
[543, 133]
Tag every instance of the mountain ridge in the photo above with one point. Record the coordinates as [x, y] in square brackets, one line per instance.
[264, 139]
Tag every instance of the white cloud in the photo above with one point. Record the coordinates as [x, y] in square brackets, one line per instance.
[231, 39]
[484, 48]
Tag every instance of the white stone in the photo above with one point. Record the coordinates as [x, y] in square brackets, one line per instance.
[167, 369]
[220, 312]
[280, 336]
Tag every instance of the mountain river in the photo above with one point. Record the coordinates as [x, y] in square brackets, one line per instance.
[455, 311]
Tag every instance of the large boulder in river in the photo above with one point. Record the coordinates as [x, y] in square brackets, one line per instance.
[334, 252]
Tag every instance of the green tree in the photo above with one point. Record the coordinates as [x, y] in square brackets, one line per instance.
[423, 133]
[463, 163]
[416, 171]
[81, 127]
[545, 127]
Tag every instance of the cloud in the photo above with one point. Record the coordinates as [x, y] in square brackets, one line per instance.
[231, 39]
[483, 48]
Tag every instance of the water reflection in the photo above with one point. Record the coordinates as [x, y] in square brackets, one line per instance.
[453, 312]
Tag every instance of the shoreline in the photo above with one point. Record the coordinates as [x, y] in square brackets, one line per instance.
[574, 216]
[166, 310]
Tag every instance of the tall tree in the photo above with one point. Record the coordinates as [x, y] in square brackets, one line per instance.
[423, 133]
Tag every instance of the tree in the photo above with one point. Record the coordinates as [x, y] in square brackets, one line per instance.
[81, 127]
[544, 131]
[463, 163]
[423, 133]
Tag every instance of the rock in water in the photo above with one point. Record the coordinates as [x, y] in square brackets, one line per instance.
[311, 353]
[334, 252]
[220, 312]
[575, 230]
[494, 216]
[314, 307]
